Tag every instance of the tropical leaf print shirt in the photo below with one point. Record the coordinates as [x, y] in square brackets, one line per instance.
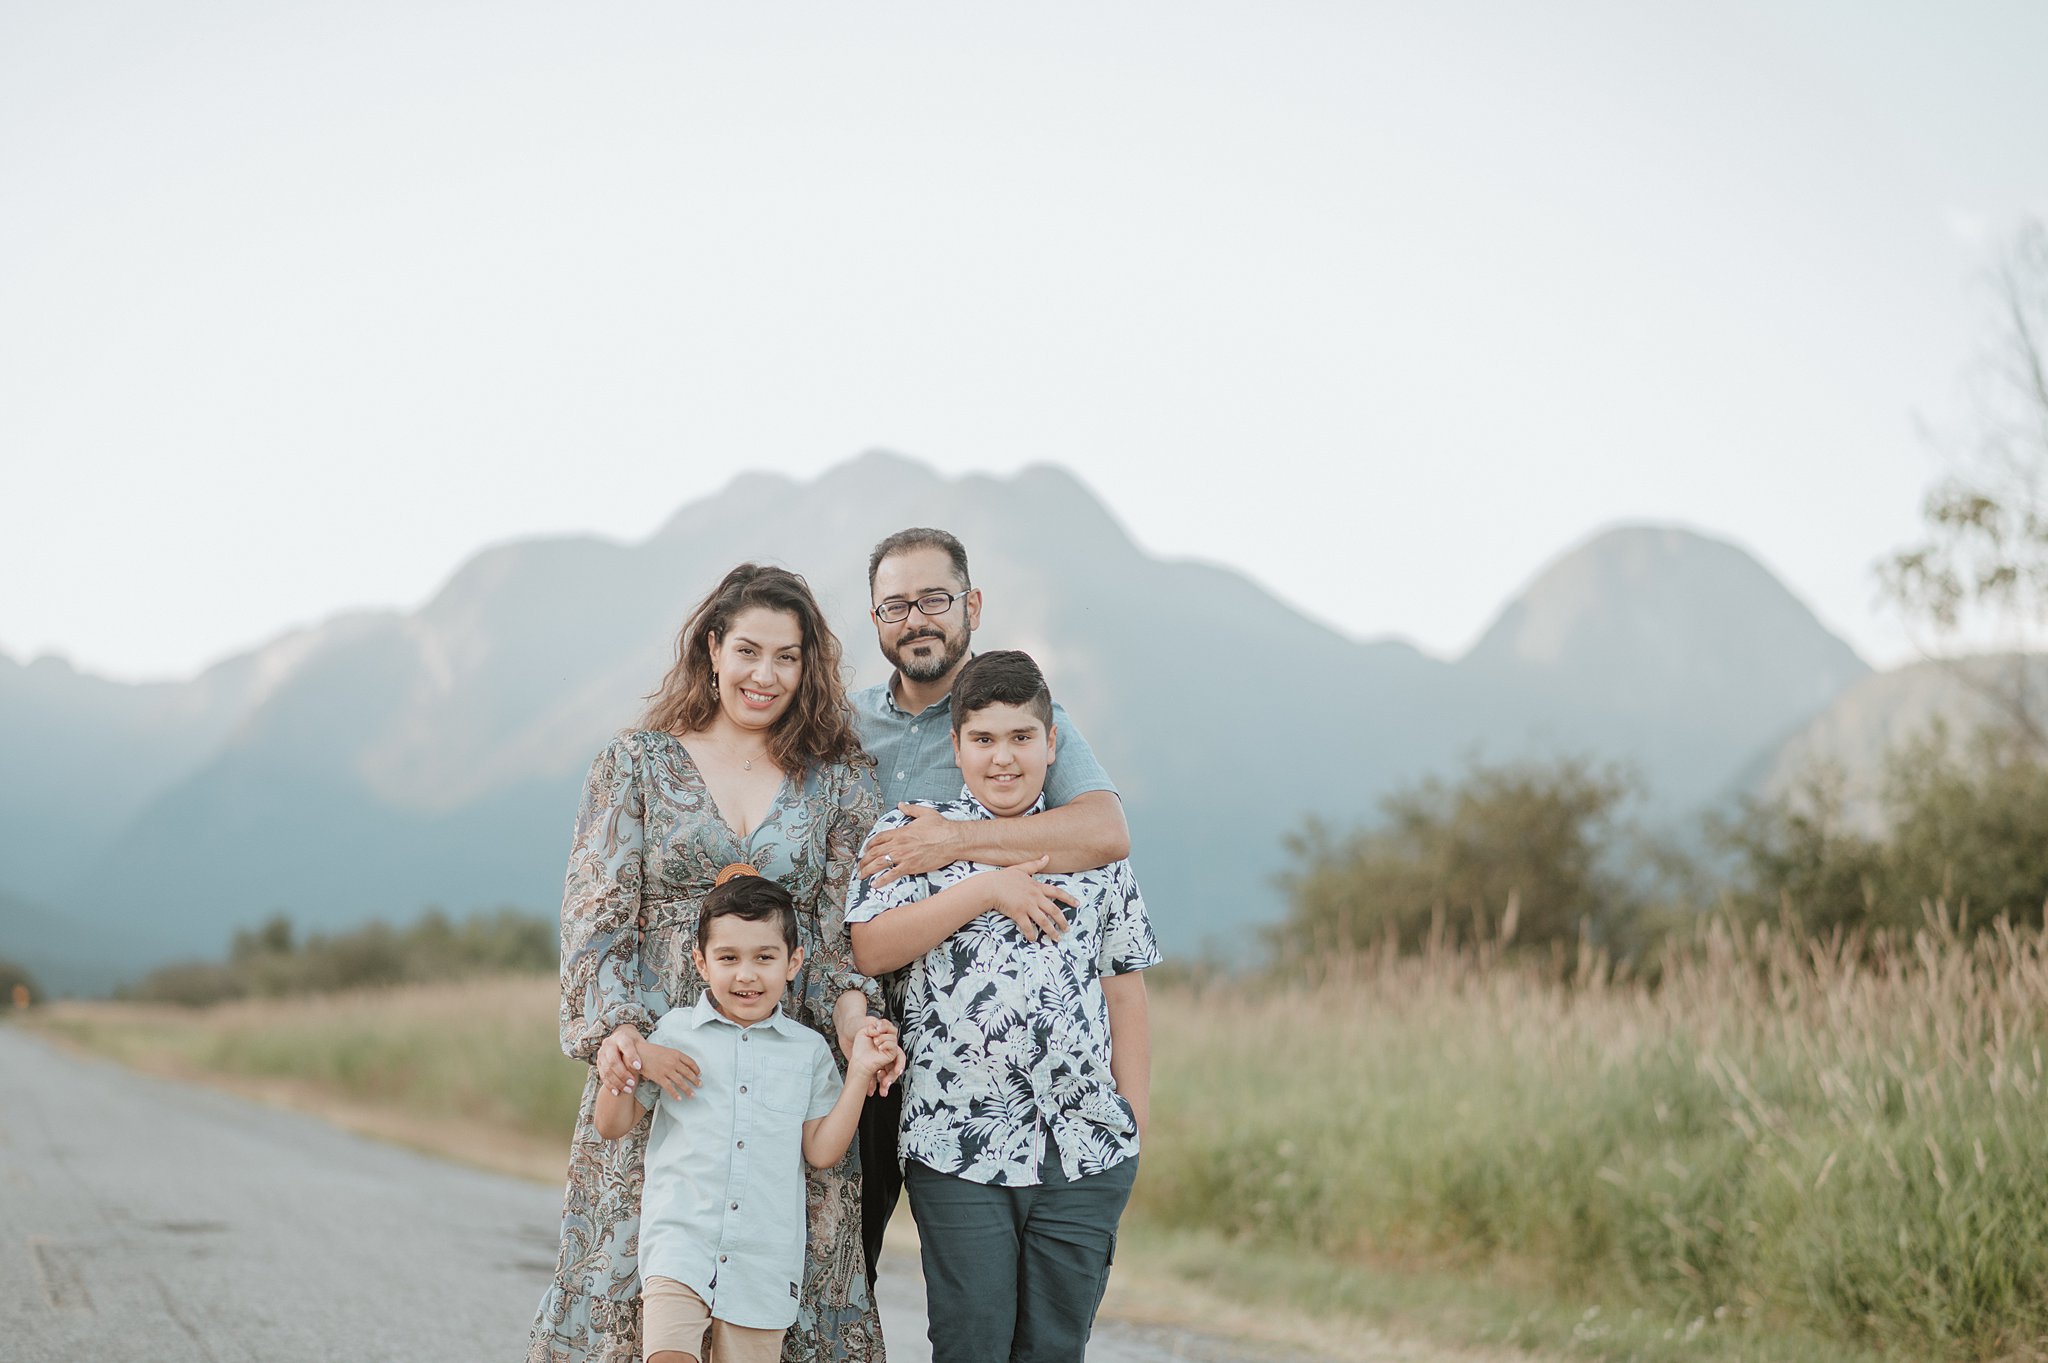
[1009, 1039]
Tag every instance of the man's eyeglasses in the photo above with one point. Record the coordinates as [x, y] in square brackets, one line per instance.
[931, 603]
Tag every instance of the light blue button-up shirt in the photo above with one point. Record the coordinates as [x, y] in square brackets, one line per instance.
[914, 753]
[722, 1210]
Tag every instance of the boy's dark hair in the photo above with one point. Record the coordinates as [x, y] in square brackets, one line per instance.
[920, 537]
[752, 897]
[1007, 676]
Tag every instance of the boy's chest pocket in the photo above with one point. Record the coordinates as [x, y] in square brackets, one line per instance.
[782, 1088]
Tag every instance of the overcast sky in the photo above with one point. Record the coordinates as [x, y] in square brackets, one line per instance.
[300, 304]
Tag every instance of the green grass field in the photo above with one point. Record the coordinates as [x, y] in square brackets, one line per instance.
[1784, 1151]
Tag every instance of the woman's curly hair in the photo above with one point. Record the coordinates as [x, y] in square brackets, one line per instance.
[818, 726]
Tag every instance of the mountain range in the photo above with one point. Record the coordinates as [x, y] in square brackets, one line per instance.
[384, 761]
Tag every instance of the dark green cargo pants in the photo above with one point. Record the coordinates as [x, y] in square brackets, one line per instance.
[1013, 1275]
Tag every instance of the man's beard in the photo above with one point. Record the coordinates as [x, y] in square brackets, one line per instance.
[922, 670]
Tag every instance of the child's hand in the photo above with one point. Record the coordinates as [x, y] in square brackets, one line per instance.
[1031, 904]
[877, 1059]
[674, 1070]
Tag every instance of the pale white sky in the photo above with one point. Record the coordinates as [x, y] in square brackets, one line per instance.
[1385, 305]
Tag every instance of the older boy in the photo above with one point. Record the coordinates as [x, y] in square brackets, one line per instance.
[926, 610]
[1030, 1060]
[722, 1206]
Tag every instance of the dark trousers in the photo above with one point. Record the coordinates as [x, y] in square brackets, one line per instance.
[1014, 1275]
[881, 1177]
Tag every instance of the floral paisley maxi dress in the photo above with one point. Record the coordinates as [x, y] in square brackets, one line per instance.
[649, 841]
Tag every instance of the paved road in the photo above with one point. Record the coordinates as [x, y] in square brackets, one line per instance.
[146, 1219]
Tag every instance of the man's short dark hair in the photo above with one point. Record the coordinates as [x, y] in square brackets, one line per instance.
[754, 898]
[1004, 677]
[920, 537]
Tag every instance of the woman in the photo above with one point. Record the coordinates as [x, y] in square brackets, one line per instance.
[748, 754]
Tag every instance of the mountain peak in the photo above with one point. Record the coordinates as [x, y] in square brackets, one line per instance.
[1640, 615]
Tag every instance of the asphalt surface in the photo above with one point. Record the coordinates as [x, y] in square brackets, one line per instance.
[141, 1218]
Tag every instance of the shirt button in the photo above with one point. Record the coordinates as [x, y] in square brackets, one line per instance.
[743, 1088]
[901, 776]
[741, 1144]
[735, 1206]
[721, 1258]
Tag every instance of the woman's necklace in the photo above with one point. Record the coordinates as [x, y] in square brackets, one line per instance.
[747, 763]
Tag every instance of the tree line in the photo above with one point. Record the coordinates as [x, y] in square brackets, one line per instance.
[272, 960]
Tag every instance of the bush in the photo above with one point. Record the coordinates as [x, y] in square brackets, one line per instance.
[1961, 823]
[1528, 851]
[17, 986]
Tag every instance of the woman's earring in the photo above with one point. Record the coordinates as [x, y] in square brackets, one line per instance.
[714, 686]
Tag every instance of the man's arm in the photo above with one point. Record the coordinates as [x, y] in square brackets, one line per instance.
[1130, 1043]
[1088, 831]
[893, 939]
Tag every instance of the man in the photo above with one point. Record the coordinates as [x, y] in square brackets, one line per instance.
[926, 610]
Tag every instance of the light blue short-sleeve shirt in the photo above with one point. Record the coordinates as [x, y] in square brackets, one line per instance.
[914, 753]
[722, 1208]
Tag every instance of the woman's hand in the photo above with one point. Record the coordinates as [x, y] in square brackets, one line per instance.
[883, 1036]
[875, 1056]
[618, 1059]
[850, 1019]
[849, 1016]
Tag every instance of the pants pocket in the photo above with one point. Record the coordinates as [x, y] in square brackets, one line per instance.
[1102, 1286]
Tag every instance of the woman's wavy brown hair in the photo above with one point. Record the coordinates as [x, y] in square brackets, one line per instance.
[818, 725]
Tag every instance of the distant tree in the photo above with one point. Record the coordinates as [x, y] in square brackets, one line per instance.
[1964, 825]
[273, 938]
[17, 986]
[1984, 558]
[1522, 852]
[1798, 855]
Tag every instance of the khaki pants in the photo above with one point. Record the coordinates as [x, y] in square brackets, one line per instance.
[674, 1317]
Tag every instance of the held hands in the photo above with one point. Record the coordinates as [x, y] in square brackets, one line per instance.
[876, 1060]
[924, 844]
[626, 1057]
[1031, 904]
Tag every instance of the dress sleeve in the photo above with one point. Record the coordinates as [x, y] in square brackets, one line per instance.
[857, 802]
[601, 906]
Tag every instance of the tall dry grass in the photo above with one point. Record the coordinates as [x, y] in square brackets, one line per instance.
[1848, 1136]
[481, 1051]
[1843, 1139]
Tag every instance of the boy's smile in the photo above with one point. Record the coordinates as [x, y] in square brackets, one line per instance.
[746, 965]
[1003, 751]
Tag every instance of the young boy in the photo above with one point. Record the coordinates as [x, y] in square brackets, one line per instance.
[722, 1206]
[1030, 1059]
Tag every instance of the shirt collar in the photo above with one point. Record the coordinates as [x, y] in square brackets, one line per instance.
[976, 809]
[706, 1011]
[943, 703]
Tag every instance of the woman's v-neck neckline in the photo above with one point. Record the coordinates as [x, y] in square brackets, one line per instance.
[717, 811]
